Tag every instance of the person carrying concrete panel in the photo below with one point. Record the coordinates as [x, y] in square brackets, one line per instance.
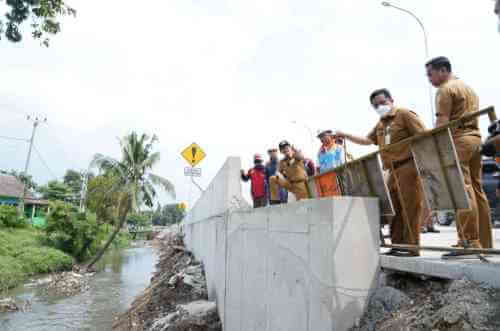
[396, 124]
[291, 175]
[455, 99]
[257, 177]
[271, 170]
[331, 152]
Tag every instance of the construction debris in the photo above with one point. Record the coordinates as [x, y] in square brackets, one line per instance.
[177, 298]
[8, 305]
[68, 283]
[408, 303]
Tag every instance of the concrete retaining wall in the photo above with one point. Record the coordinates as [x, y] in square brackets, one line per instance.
[308, 265]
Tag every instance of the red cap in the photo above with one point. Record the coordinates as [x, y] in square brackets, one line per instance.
[257, 157]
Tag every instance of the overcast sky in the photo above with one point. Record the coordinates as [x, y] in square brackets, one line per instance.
[229, 75]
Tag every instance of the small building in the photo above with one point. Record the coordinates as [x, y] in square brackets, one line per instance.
[11, 191]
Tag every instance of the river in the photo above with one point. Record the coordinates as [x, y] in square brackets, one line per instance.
[122, 276]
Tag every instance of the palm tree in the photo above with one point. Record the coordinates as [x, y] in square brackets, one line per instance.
[135, 183]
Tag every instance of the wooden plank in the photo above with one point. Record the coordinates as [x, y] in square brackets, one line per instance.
[439, 171]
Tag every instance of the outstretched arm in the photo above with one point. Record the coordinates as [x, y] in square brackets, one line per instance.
[356, 139]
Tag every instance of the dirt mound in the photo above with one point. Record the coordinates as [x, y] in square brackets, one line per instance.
[409, 303]
[176, 300]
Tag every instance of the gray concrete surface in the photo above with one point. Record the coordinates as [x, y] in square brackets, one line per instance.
[431, 264]
[307, 265]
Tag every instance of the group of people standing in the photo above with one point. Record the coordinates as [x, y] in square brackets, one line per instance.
[271, 182]
[454, 99]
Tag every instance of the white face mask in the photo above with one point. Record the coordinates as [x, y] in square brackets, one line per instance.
[382, 110]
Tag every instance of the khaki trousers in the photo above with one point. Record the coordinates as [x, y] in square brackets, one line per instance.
[473, 225]
[409, 198]
[299, 189]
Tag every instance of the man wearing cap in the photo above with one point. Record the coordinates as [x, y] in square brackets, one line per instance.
[331, 152]
[257, 177]
[396, 124]
[454, 99]
[271, 170]
[293, 170]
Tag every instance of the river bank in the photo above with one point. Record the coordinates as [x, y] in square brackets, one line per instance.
[24, 253]
[177, 297]
[120, 276]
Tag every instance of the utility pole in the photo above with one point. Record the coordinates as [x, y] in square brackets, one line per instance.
[36, 120]
[83, 190]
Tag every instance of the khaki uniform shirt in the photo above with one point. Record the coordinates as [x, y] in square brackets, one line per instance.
[293, 169]
[455, 99]
[397, 125]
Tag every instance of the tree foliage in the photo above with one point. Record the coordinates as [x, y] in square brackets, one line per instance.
[44, 16]
[169, 214]
[55, 190]
[71, 231]
[9, 217]
[103, 198]
[135, 183]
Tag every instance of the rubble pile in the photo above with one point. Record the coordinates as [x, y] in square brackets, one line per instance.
[176, 300]
[68, 283]
[8, 305]
[409, 303]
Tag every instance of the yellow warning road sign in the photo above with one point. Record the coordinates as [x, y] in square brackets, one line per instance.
[193, 154]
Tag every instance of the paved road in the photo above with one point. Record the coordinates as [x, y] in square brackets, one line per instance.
[446, 238]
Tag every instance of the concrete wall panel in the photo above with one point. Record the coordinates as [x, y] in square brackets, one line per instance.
[305, 266]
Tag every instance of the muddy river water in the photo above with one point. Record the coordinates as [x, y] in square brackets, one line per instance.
[122, 275]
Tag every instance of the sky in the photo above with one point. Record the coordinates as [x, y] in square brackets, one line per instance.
[236, 77]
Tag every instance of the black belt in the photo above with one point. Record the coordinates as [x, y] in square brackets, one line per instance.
[397, 164]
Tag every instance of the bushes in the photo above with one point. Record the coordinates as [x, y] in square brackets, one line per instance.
[9, 217]
[77, 234]
[22, 254]
[43, 259]
[11, 272]
[71, 231]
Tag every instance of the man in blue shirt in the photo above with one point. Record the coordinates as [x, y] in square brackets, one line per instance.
[331, 153]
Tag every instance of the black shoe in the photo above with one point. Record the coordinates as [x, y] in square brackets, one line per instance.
[433, 230]
[391, 252]
[459, 255]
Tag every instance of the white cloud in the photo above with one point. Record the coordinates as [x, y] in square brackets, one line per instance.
[230, 75]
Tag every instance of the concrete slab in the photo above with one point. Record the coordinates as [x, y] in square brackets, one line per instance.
[431, 264]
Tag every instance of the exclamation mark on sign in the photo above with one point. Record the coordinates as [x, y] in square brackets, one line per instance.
[193, 151]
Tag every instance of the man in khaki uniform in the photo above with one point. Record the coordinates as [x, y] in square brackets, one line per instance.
[293, 171]
[397, 124]
[454, 99]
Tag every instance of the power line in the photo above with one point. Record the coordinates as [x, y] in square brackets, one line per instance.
[44, 163]
[13, 138]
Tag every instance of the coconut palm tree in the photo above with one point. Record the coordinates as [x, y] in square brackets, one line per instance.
[135, 183]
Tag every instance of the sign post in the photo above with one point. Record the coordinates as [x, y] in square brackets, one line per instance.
[193, 154]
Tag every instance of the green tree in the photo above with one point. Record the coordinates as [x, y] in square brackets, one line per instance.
[102, 198]
[170, 214]
[44, 16]
[55, 190]
[135, 183]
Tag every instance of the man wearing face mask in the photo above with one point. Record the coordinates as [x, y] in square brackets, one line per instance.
[396, 124]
